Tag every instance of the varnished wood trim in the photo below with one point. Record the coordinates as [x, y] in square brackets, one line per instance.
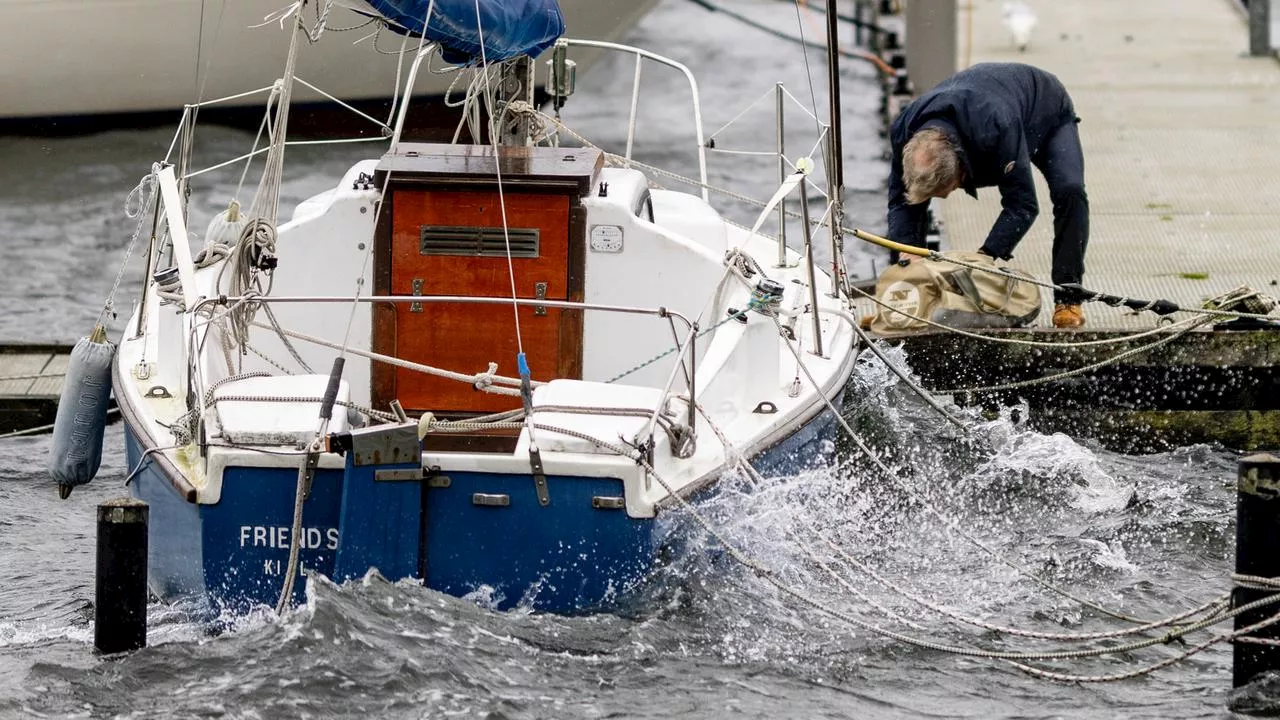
[382, 376]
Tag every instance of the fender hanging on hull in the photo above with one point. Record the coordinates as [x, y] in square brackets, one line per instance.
[81, 422]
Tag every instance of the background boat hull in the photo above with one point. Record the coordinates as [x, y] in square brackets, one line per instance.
[146, 56]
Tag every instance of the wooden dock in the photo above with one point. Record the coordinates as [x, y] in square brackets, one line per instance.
[1182, 168]
[30, 382]
[1182, 165]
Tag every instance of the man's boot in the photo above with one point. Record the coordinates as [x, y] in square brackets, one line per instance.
[1068, 316]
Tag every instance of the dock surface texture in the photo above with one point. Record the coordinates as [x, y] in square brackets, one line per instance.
[31, 379]
[1182, 157]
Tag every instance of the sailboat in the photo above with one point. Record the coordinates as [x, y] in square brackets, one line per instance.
[489, 368]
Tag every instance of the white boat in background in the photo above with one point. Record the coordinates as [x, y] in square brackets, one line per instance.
[78, 57]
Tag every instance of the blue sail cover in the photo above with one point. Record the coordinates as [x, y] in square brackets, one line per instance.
[511, 27]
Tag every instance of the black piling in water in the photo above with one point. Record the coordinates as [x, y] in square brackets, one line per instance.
[120, 596]
[1257, 543]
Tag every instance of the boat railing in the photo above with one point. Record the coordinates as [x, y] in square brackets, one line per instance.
[685, 361]
[703, 144]
[187, 121]
[640, 56]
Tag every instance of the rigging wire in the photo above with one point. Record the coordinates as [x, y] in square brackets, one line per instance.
[382, 193]
[502, 199]
[201, 80]
[808, 71]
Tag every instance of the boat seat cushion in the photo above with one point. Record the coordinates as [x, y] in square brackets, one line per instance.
[287, 413]
[597, 398]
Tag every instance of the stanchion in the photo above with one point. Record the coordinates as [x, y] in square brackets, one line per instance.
[1257, 555]
[120, 596]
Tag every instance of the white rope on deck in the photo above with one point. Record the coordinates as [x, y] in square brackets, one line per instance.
[486, 381]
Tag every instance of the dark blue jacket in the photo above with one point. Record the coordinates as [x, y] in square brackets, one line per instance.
[998, 114]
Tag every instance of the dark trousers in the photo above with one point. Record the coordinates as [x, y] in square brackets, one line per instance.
[1061, 160]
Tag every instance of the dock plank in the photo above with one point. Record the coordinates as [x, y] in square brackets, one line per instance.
[20, 367]
[55, 369]
[30, 404]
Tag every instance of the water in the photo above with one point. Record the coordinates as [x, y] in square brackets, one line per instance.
[1146, 535]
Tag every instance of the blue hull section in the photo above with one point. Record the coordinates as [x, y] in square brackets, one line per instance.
[566, 556]
[247, 534]
[175, 561]
[483, 535]
[234, 553]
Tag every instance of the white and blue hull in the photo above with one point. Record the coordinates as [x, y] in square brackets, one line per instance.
[566, 557]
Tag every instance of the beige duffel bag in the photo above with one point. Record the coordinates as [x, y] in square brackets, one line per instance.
[954, 295]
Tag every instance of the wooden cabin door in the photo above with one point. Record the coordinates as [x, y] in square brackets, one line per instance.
[451, 242]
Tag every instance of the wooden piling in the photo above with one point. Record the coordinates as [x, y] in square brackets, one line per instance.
[1257, 538]
[120, 596]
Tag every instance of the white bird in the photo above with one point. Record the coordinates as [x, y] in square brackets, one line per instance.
[1019, 19]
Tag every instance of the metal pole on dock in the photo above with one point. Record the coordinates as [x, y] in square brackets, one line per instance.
[931, 30]
[835, 161]
[1257, 539]
[120, 594]
[1260, 28]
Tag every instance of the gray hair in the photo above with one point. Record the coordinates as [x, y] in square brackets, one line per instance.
[929, 165]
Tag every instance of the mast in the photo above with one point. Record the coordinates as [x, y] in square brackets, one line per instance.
[835, 159]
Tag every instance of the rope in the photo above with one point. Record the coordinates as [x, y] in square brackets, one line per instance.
[1015, 341]
[1110, 300]
[267, 360]
[1212, 607]
[1255, 582]
[733, 260]
[732, 454]
[702, 333]
[45, 428]
[377, 414]
[769, 577]
[1209, 607]
[1193, 324]
[284, 339]
[146, 456]
[299, 497]
[924, 503]
[1269, 642]
[481, 381]
[136, 205]
[1224, 637]
[902, 374]
[322, 20]
[772, 579]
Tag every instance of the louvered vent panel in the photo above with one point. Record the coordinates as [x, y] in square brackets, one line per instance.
[479, 241]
